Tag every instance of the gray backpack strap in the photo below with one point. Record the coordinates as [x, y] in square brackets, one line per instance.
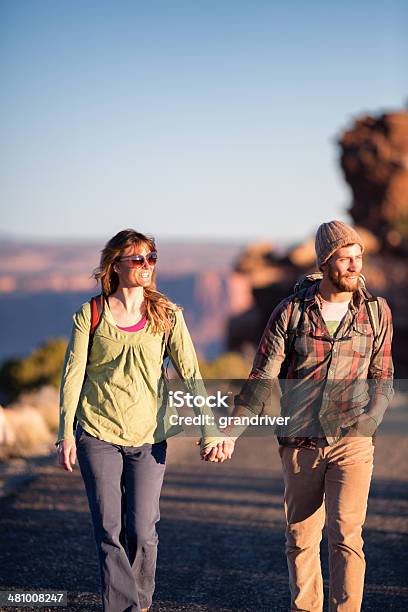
[296, 313]
[298, 303]
[295, 318]
[373, 311]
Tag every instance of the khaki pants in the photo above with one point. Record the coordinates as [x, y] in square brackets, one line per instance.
[333, 481]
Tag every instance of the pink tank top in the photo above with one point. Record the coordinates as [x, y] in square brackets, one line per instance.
[135, 327]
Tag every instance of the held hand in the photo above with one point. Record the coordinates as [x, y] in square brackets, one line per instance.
[229, 443]
[67, 454]
[210, 452]
[218, 452]
[228, 447]
[213, 453]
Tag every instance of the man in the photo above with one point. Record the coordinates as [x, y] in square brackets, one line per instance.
[342, 340]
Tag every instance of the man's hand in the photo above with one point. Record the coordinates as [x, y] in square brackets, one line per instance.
[228, 447]
[67, 454]
[364, 425]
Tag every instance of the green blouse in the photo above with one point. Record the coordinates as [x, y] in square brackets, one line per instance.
[118, 395]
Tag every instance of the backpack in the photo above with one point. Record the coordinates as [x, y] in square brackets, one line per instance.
[298, 308]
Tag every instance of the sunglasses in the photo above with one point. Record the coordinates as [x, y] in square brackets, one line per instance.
[138, 261]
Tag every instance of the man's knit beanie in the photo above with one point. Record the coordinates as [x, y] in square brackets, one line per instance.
[332, 236]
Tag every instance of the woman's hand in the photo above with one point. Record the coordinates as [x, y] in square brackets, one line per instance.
[67, 454]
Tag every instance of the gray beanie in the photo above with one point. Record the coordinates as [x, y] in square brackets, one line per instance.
[332, 236]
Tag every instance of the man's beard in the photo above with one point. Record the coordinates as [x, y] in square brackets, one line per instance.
[343, 283]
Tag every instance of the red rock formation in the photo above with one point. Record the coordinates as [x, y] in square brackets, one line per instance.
[374, 159]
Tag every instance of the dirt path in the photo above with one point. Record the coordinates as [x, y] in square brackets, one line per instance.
[221, 533]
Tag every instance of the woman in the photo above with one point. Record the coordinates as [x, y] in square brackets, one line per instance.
[110, 385]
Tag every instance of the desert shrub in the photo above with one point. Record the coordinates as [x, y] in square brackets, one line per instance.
[42, 367]
[22, 430]
[45, 400]
[228, 365]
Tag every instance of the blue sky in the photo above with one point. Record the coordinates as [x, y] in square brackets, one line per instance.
[187, 119]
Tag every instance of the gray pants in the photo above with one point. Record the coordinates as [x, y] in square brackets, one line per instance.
[123, 485]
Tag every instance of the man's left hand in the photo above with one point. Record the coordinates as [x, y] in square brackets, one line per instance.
[365, 425]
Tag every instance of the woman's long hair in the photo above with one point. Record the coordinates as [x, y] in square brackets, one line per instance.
[159, 309]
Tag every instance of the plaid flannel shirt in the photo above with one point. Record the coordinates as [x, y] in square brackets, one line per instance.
[328, 377]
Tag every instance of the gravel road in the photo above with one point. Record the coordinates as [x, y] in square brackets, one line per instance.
[221, 532]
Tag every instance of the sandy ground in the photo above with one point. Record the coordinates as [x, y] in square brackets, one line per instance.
[221, 532]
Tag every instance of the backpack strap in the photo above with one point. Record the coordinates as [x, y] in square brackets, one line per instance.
[373, 310]
[97, 307]
[166, 356]
[298, 305]
[296, 313]
[295, 318]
